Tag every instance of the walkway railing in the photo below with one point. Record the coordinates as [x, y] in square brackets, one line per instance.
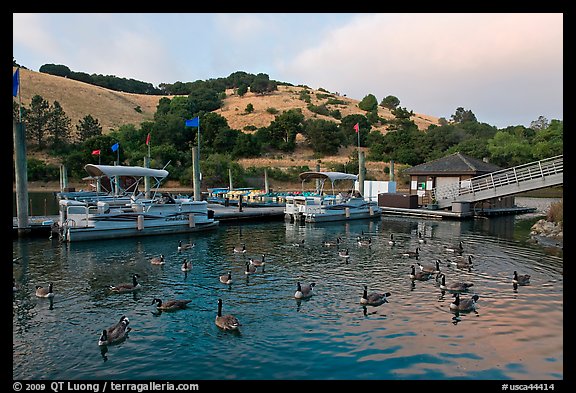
[539, 174]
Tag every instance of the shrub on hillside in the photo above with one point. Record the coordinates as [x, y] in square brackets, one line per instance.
[39, 170]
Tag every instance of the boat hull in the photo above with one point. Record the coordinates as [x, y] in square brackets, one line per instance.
[93, 233]
[80, 221]
[319, 212]
[329, 217]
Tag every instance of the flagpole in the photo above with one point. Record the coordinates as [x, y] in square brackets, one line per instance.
[19, 98]
[358, 139]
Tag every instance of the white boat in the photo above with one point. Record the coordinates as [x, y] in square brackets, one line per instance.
[160, 214]
[328, 205]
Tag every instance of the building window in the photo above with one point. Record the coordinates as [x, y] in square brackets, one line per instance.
[421, 182]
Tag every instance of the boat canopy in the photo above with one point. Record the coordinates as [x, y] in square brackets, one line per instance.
[332, 176]
[119, 170]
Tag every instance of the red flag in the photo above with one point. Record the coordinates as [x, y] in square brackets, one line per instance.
[95, 152]
[148, 139]
[357, 127]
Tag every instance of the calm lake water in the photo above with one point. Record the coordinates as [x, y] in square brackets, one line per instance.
[514, 333]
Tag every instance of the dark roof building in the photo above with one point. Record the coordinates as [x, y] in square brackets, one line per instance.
[454, 164]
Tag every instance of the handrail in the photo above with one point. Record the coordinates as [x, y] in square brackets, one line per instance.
[516, 175]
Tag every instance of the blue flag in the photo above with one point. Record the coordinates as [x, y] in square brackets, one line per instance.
[195, 122]
[15, 82]
[115, 146]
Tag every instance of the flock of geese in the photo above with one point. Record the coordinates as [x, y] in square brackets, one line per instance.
[418, 272]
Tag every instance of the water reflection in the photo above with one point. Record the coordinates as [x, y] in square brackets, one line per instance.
[385, 342]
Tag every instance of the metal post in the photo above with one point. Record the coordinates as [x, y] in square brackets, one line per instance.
[196, 175]
[361, 172]
[266, 186]
[21, 176]
[230, 178]
[147, 178]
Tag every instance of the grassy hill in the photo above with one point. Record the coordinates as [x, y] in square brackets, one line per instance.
[113, 109]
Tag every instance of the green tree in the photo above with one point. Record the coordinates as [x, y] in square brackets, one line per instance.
[549, 142]
[55, 69]
[508, 150]
[539, 124]
[37, 120]
[402, 119]
[58, 126]
[246, 146]
[390, 102]
[284, 128]
[323, 136]
[368, 103]
[213, 125]
[349, 135]
[249, 108]
[262, 84]
[203, 99]
[88, 127]
[242, 89]
[461, 115]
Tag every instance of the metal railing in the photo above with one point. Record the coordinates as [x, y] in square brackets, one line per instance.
[468, 189]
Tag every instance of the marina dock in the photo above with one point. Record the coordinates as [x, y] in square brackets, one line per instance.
[40, 225]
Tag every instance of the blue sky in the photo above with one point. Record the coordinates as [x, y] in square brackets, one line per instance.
[507, 68]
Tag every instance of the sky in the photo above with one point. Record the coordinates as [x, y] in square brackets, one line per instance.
[507, 68]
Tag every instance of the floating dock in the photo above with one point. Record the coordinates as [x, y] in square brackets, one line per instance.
[41, 225]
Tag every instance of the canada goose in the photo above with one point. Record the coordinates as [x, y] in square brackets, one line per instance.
[392, 242]
[457, 286]
[226, 278]
[241, 248]
[115, 333]
[262, 262]
[422, 276]
[362, 242]
[304, 291]
[458, 249]
[125, 287]
[468, 304]
[250, 269]
[521, 279]
[433, 269]
[301, 244]
[335, 243]
[170, 305]
[158, 260]
[186, 266]
[44, 292]
[412, 254]
[374, 298]
[184, 246]
[421, 238]
[226, 322]
[344, 254]
[467, 264]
